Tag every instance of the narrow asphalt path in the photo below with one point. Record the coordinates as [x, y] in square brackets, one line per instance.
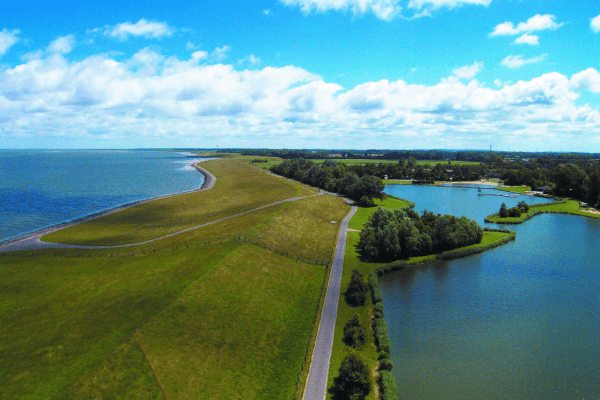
[319, 368]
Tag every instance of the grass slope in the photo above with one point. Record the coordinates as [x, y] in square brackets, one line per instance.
[239, 188]
[173, 319]
[513, 189]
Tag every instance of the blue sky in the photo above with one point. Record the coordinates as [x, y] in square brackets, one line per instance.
[302, 74]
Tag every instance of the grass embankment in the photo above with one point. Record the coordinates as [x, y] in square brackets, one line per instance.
[557, 207]
[239, 188]
[180, 319]
[352, 260]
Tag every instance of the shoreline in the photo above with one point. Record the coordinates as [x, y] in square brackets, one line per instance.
[209, 182]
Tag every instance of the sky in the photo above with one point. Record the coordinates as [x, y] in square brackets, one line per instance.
[352, 74]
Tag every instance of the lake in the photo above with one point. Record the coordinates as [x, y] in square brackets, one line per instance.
[517, 322]
[41, 188]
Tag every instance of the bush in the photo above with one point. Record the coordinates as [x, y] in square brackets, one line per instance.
[378, 308]
[354, 333]
[353, 381]
[382, 338]
[356, 293]
[383, 355]
[386, 365]
[514, 212]
[388, 386]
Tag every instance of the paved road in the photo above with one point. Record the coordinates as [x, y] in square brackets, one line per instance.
[319, 367]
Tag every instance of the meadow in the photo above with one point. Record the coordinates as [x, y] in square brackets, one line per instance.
[225, 312]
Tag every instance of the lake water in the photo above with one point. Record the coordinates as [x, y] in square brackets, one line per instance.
[517, 322]
[41, 188]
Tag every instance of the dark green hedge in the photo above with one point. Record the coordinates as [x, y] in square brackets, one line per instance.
[454, 254]
[388, 385]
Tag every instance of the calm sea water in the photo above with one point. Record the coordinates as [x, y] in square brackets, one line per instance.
[517, 322]
[45, 187]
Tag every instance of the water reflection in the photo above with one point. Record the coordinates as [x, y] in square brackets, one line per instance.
[517, 322]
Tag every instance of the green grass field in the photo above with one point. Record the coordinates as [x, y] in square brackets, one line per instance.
[570, 207]
[514, 189]
[174, 319]
[239, 188]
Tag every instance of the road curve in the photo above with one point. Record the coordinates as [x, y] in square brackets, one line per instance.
[316, 385]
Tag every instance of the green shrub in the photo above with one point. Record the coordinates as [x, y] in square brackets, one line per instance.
[382, 338]
[378, 308]
[386, 365]
[356, 292]
[383, 355]
[389, 390]
[353, 381]
[354, 333]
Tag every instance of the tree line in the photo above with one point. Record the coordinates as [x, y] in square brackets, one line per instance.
[391, 235]
[333, 177]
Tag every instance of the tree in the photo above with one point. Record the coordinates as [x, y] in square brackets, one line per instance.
[503, 211]
[353, 381]
[524, 207]
[356, 293]
[354, 333]
[514, 212]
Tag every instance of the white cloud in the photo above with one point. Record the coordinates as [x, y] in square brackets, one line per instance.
[587, 80]
[518, 61]
[220, 53]
[382, 9]
[144, 28]
[536, 23]
[498, 82]
[526, 38]
[437, 4]
[469, 71]
[62, 45]
[151, 96]
[251, 59]
[595, 24]
[266, 11]
[7, 40]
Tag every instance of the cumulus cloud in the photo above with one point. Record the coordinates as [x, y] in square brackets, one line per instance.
[153, 95]
[595, 24]
[220, 53]
[536, 23]
[518, 61]
[62, 45]
[382, 9]
[7, 40]
[143, 28]
[469, 71]
[526, 38]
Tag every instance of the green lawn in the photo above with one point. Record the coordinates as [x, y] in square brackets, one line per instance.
[174, 319]
[514, 189]
[239, 188]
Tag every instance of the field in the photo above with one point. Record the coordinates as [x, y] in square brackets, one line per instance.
[178, 318]
[514, 189]
[239, 188]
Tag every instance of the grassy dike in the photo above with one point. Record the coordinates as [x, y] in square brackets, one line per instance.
[196, 315]
[383, 382]
[558, 207]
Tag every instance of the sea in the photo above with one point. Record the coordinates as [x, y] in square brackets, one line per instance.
[42, 188]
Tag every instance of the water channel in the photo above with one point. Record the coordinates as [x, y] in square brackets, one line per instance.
[518, 322]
